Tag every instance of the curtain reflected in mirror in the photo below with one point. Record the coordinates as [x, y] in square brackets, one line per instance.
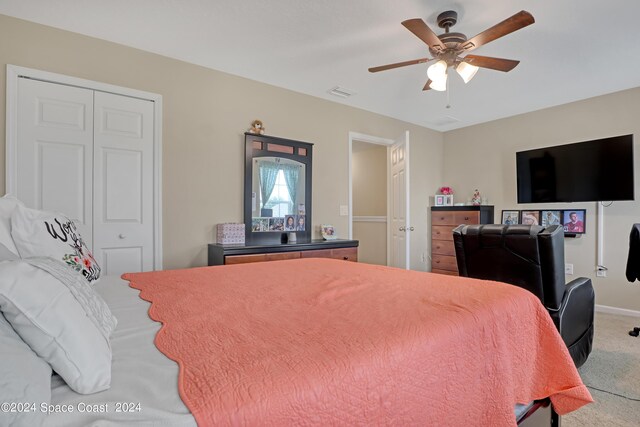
[278, 195]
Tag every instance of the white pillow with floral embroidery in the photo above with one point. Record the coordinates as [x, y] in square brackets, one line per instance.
[47, 234]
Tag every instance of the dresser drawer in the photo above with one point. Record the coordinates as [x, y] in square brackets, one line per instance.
[447, 272]
[244, 259]
[455, 217]
[442, 232]
[444, 262]
[443, 247]
[347, 254]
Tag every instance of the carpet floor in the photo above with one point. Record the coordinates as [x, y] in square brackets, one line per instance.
[612, 374]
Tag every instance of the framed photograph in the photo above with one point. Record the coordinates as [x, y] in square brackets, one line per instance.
[574, 221]
[448, 200]
[301, 223]
[328, 232]
[510, 217]
[301, 209]
[276, 224]
[548, 218]
[530, 217]
[260, 224]
[290, 223]
[440, 200]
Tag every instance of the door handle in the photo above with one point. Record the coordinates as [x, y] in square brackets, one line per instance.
[122, 236]
[402, 228]
[411, 228]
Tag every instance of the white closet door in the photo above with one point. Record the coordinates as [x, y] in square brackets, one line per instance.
[123, 183]
[55, 150]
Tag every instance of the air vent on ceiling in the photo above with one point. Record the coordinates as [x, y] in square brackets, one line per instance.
[341, 92]
[444, 120]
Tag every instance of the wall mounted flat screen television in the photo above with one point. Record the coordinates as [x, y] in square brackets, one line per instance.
[598, 170]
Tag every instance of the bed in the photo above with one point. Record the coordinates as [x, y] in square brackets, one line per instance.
[406, 369]
[140, 373]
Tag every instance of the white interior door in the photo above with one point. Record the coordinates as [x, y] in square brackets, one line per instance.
[54, 152]
[400, 229]
[123, 189]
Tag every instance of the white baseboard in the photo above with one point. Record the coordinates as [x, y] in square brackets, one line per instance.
[617, 310]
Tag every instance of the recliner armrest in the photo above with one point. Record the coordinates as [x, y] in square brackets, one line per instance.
[576, 312]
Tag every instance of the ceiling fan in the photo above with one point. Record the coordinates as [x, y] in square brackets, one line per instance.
[447, 48]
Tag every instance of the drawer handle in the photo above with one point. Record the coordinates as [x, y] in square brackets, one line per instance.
[346, 258]
[466, 218]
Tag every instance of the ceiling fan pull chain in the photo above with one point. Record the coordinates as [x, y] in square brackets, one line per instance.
[448, 95]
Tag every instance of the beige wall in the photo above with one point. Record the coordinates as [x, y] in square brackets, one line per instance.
[369, 175]
[205, 115]
[373, 242]
[483, 157]
[369, 180]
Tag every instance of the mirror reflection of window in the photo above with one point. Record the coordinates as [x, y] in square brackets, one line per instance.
[280, 199]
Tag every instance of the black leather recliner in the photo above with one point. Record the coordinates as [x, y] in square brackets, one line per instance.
[531, 257]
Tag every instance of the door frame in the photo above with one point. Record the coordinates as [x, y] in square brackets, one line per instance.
[356, 136]
[15, 72]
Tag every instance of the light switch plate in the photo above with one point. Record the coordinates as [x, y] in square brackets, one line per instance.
[568, 269]
[344, 210]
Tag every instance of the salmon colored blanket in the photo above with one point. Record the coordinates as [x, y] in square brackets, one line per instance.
[326, 342]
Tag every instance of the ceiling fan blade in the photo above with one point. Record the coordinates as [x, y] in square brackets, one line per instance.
[398, 65]
[427, 86]
[418, 27]
[509, 25]
[498, 64]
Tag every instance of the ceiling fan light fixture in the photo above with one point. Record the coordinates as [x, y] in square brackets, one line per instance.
[440, 84]
[466, 71]
[437, 71]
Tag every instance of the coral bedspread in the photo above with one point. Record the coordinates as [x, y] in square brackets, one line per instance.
[326, 342]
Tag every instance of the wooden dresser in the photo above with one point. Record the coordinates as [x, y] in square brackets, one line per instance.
[443, 220]
[241, 254]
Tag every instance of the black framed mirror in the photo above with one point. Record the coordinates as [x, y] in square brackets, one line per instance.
[277, 189]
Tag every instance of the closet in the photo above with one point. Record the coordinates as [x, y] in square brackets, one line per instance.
[90, 154]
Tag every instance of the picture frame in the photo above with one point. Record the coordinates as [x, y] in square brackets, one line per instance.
[301, 222]
[510, 217]
[550, 217]
[328, 232]
[448, 200]
[574, 221]
[530, 217]
[290, 222]
[440, 200]
[276, 224]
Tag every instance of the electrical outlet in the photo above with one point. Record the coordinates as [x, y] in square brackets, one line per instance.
[568, 269]
[601, 273]
[344, 210]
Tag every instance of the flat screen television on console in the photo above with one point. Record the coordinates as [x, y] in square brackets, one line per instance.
[598, 170]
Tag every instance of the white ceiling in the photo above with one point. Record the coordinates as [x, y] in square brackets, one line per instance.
[577, 49]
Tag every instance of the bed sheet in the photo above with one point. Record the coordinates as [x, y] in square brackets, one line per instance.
[140, 373]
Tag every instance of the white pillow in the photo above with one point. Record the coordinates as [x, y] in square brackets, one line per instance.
[24, 379]
[7, 205]
[48, 234]
[52, 322]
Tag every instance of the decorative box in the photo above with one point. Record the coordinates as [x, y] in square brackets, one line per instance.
[230, 233]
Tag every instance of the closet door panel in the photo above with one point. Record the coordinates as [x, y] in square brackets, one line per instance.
[123, 189]
[55, 150]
